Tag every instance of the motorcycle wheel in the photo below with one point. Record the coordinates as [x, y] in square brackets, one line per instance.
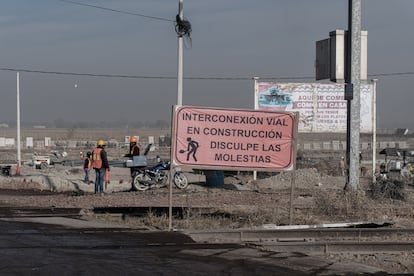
[163, 179]
[180, 180]
[139, 182]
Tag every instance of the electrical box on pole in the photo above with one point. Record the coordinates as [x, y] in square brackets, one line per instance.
[330, 60]
[322, 62]
[349, 91]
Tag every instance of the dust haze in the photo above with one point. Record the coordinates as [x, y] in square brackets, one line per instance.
[235, 39]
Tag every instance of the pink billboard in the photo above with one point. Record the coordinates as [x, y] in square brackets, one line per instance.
[233, 139]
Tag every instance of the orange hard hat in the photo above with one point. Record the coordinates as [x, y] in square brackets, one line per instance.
[133, 139]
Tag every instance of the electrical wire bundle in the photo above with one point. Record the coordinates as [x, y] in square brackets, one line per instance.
[183, 27]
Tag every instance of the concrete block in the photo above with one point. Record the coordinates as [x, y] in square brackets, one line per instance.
[402, 144]
[39, 144]
[383, 145]
[10, 142]
[326, 145]
[48, 142]
[72, 144]
[29, 142]
[316, 146]
[307, 146]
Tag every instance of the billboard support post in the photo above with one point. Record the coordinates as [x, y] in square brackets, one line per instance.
[374, 128]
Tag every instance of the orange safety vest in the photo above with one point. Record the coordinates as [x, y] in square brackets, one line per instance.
[96, 158]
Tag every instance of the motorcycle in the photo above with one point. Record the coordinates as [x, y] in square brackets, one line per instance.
[157, 177]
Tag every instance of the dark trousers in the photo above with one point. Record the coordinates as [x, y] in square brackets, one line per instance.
[99, 180]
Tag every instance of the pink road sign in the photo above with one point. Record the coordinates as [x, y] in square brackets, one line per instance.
[233, 139]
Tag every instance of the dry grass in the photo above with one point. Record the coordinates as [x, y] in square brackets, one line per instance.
[360, 206]
[342, 206]
[328, 207]
[202, 220]
[393, 189]
[231, 218]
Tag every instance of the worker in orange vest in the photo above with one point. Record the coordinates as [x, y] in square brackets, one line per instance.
[343, 166]
[133, 151]
[100, 165]
[133, 147]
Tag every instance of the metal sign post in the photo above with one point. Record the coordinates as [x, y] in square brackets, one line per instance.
[293, 173]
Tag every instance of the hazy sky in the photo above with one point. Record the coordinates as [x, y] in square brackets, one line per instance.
[230, 38]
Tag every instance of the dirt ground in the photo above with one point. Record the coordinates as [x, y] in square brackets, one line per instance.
[246, 203]
[317, 196]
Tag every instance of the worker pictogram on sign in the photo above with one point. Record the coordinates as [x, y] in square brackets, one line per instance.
[191, 150]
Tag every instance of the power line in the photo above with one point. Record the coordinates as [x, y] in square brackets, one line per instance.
[83, 74]
[118, 11]
[392, 74]
[188, 78]
[138, 76]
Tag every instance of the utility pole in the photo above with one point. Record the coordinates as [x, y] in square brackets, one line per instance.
[179, 101]
[180, 58]
[352, 93]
